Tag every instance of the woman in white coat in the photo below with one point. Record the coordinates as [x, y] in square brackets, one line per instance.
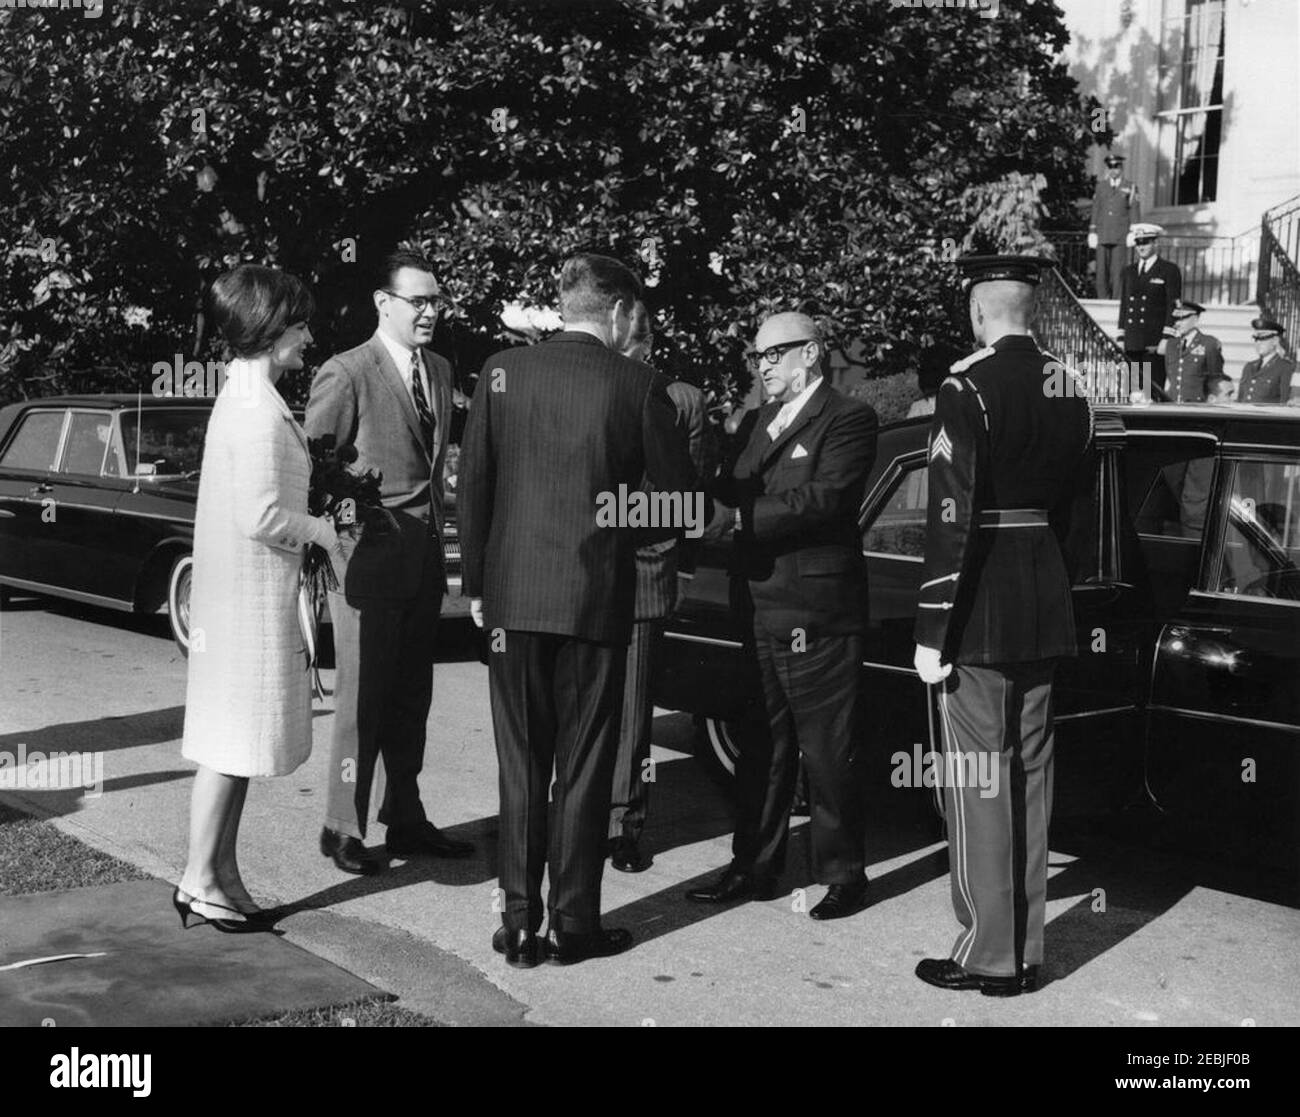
[248, 700]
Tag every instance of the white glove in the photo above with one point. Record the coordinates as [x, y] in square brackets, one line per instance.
[928, 666]
[476, 611]
[1092, 240]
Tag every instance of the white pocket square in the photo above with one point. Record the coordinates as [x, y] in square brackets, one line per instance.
[798, 452]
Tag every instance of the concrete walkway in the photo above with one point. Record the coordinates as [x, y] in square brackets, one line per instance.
[1163, 947]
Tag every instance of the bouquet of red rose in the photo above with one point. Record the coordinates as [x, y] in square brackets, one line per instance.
[354, 503]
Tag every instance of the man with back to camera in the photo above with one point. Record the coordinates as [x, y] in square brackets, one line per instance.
[1006, 454]
[553, 427]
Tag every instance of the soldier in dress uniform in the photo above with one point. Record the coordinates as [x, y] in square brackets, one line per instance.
[1267, 379]
[1007, 450]
[1195, 358]
[1149, 290]
[1115, 207]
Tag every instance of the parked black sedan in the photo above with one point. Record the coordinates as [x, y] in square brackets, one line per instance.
[1187, 601]
[97, 497]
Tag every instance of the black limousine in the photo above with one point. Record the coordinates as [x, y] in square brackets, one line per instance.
[97, 497]
[1186, 691]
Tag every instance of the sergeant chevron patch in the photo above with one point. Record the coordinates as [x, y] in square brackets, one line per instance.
[941, 447]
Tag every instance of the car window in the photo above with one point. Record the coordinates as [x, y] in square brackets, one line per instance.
[898, 530]
[170, 440]
[36, 441]
[1165, 484]
[1261, 548]
[83, 452]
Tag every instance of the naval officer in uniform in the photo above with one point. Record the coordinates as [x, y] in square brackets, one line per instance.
[1007, 449]
[1195, 358]
[1267, 379]
[1148, 292]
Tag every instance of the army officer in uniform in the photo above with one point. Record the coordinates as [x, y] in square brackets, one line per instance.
[1267, 379]
[1149, 291]
[1195, 359]
[995, 612]
[1115, 207]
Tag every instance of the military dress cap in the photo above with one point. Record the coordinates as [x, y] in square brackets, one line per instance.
[1114, 160]
[1265, 327]
[1145, 231]
[983, 269]
[1185, 308]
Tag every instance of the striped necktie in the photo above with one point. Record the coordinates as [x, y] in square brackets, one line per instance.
[427, 424]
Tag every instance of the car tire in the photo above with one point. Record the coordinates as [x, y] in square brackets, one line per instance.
[178, 602]
[717, 744]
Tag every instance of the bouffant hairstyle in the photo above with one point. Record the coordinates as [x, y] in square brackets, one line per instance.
[591, 284]
[253, 306]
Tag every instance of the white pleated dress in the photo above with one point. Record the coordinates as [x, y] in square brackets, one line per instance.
[248, 696]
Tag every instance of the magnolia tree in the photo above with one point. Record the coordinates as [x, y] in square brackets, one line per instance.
[746, 156]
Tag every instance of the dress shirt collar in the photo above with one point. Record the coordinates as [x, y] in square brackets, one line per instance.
[401, 355]
[790, 410]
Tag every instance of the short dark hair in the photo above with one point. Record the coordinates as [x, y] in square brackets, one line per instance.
[253, 305]
[395, 261]
[590, 285]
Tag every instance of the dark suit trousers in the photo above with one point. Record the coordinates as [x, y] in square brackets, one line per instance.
[636, 730]
[1111, 260]
[383, 685]
[813, 707]
[555, 708]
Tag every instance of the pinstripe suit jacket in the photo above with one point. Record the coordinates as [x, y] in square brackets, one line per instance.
[551, 427]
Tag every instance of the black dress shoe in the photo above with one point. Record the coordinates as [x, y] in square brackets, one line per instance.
[520, 947]
[947, 974]
[564, 948]
[349, 854]
[1029, 979]
[733, 885]
[841, 900]
[626, 856]
[427, 840]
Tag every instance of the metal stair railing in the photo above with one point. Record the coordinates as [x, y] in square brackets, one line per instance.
[1064, 329]
[1277, 287]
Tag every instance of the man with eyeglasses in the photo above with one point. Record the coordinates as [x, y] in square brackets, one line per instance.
[796, 490]
[390, 398]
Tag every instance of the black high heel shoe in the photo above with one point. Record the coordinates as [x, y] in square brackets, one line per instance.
[249, 924]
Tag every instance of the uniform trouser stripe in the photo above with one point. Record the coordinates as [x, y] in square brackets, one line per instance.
[963, 901]
[996, 724]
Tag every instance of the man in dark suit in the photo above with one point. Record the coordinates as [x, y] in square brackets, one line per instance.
[1268, 378]
[554, 429]
[391, 399]
[1195, 358]
[1115, 207]
[1149, 291]
[796, 489]
[1006, 455]
[656, 595]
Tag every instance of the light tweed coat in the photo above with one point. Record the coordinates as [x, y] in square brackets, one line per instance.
[248, 700]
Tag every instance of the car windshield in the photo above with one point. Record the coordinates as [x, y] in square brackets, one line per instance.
[170, 441]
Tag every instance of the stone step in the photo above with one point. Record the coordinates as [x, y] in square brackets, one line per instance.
[1229, 322]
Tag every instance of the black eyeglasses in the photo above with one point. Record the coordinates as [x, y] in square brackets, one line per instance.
[421, 303]
[774, 353]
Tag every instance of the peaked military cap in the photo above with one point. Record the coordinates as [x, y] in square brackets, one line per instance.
[1185, 308]
[1264, 327]
[983, 269]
